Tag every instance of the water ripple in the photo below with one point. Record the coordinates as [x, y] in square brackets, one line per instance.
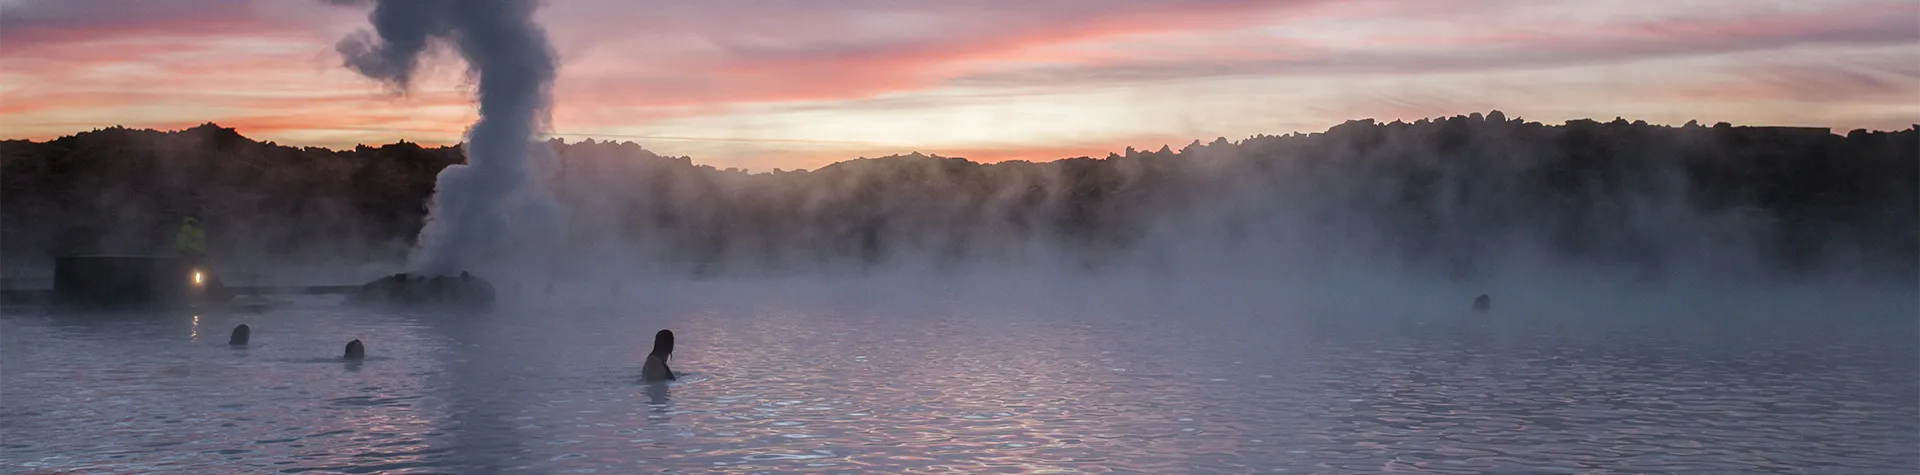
[868, 391]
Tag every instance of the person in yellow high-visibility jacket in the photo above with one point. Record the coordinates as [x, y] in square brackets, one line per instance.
[191, 241]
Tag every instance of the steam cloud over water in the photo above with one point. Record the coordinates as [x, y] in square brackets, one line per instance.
[1464, 198]
[514, 65]
[1450, 208]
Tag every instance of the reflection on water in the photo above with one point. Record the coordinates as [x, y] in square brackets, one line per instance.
[657, 396]
[845, 388]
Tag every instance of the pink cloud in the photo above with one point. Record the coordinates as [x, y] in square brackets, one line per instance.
[28, 26]
[1530, 47]
[1825, 81]
[744, 70]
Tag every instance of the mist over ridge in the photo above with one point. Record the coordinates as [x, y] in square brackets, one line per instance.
[1464, 199]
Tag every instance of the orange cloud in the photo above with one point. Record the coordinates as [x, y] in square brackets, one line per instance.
[199, 70]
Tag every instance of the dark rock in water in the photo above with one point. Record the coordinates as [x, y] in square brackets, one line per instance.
[1482, 303]
[464, 291]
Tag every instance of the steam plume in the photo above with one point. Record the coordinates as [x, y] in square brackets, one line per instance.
[514, 66]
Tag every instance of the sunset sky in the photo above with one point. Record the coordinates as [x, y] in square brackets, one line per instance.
[798, 84]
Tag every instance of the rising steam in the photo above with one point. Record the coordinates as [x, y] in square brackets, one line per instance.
[514, 66]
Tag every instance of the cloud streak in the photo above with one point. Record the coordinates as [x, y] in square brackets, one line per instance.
[1873, 25]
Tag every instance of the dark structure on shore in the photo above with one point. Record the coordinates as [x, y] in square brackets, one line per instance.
[463, 291]
[134, 282]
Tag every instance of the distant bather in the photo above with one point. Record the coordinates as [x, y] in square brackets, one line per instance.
[1482, 303]
[355, 350]
[656, 368]
[240, 335]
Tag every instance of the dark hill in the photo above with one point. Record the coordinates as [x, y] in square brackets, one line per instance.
[1443, 194]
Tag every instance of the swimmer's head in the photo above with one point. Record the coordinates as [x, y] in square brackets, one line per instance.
[240, 334]
[663, 343]
[355, 350]
[1483, 302]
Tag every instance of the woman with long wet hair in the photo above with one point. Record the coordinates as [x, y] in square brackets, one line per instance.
[656, 368]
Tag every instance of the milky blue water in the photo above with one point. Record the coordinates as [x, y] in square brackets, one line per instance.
[837, 385]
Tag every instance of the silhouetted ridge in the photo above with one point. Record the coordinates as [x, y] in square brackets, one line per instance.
[1449, 195]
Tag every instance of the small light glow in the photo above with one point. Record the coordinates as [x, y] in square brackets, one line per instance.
[196, 277]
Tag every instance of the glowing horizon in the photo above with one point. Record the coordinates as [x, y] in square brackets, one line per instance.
[760, 85]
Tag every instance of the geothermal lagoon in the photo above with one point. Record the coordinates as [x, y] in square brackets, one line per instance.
[1661, 297]
[863, 378]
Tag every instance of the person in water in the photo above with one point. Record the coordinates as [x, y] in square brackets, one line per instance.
[656, 368]
[356, 351]
[240, 334]
[1482, 303]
